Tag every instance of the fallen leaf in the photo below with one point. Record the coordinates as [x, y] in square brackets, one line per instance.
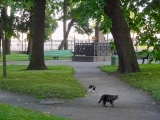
[153, 103]
[51, 107]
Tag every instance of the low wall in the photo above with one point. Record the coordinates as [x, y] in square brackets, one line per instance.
[18, 52]
[91, 58]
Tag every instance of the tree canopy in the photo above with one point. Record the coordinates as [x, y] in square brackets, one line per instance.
[118, 16]
[80, 27]
[141, 16]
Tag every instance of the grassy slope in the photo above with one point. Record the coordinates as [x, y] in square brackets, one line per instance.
[148, 79]
[15, 113]
[57, 82]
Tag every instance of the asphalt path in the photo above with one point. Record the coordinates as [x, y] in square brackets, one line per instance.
[132, 104]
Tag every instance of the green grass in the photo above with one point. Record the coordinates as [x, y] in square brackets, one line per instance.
[24, 57]
[148, 79]
[15, 113]
[15, 57]
[57, 82]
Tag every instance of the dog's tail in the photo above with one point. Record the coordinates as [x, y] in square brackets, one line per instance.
[100, 99]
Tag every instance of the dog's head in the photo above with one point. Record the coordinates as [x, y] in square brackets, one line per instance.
[94, 87]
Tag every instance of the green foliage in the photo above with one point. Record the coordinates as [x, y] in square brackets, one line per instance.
[147, 80]
[23, 21]
[50, 26]
[57, 82]
[8, 20]
[142, 17]
[5, 3]
[93, 10]
[8, 112]
[145, 22]
[112, 46]
[82, 27]
[156, 52]
[150, 26]
[8, 27]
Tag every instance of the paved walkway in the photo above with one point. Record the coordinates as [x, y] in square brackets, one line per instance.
[131, 105]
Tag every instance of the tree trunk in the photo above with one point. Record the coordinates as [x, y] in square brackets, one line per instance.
[29, 48]
[64, 22]
[7, 46]
[0, 48]
[3, 46]
[121, 34]
[66, 35]
[66, 44]
[37, 55]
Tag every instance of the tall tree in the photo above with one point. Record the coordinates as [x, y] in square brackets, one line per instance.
[24, 22]
[3, 45]
[2, 20]
[110, 14]
[122, 38]
[37, 55]
[82, 27]
[64, 22]
[3, 5]
[7, 27]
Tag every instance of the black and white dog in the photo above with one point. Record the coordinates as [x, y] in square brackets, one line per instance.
[92, 89]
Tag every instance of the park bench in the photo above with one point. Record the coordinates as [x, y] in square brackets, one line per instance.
[139, 55]
[57, 53]
[144, 56]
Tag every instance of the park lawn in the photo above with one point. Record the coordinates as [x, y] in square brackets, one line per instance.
[57, 82]
[24, 57]
[147, 80]
[15, 57]
[8, 112]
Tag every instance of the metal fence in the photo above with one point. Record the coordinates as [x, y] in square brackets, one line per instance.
[91, 49]
[49, 45]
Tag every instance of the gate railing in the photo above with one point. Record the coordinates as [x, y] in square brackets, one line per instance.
[91, 49]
